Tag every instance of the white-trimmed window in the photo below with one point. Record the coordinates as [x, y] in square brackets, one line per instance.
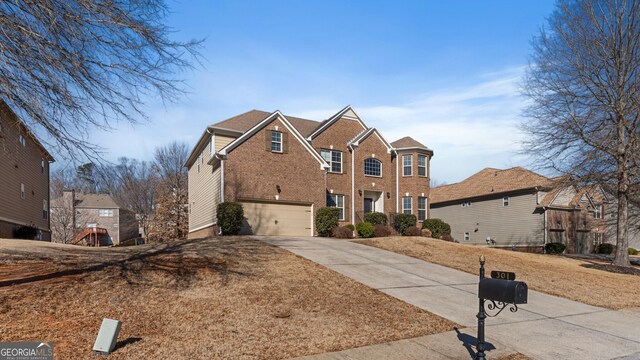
[406, 205]
[373, 167]
[505, 201]
[22, 140]
[334, 159]
[422, 165]
[597, 212]
[45, 209]
[105, 212]
[407, 165]
[467, 236]
[22, 191]
[422, 208]
[336, 201]
[276, 141]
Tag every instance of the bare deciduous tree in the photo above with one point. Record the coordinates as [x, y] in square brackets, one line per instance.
[171, 217]
[69, 66]
[583, 85]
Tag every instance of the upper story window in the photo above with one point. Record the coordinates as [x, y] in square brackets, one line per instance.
[505, 201]
[42, 167]
[276, 141]
[407, 165]
[422, 165]
[22, 140]
[406, 205]
[105, 212]
[372, 167]
[22, 191]
[597, 212]
[422, 208]
[336, 201]
[334, 159]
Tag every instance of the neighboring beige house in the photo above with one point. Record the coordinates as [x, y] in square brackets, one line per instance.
[519, 209]
[24, 178]
[74, 215]
[283, 168]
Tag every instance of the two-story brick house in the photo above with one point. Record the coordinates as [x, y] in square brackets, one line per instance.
[283, 168]
[24, 178]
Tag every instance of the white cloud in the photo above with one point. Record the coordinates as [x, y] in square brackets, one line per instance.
[468, 128]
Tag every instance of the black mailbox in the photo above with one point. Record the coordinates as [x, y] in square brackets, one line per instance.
[505, 291]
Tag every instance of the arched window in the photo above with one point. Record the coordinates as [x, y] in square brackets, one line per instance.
[372, 167]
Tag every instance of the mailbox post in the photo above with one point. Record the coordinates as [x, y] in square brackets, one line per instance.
[501, 290]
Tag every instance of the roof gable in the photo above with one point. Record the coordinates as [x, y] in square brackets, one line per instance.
[355, 142]
[347, 113]
[259, 126]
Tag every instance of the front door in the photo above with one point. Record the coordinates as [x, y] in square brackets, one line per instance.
[368, 205]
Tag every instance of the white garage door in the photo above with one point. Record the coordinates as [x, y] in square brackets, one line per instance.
[276, 219]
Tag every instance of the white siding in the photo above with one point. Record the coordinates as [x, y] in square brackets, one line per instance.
[204, 191]
[222, 141]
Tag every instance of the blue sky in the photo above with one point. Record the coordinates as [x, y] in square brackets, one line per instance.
[444, 72]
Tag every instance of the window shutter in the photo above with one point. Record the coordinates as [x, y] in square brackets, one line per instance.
[285, 143]
[267, 139]
[347, 208]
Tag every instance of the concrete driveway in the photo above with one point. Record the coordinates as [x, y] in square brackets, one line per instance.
[548, 327]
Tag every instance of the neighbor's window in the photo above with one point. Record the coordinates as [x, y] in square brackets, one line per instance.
[276, 141]
[467, 236]
[336, 201]
[334, 159]
[407, 165]
[597, 239]
[422, 208]
[22, 191]
[42, 167]
[372, 167]
[105, 212]
[45, 209]
[505, 201]
[422, 165]
[406, 205]
[22, 140]
[597, 212]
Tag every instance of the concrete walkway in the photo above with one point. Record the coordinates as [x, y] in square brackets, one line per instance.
[548, 327]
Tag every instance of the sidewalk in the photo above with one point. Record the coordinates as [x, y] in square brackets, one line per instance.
[548, 327]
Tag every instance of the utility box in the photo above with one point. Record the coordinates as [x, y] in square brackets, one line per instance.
[505, 291]
[107, 336]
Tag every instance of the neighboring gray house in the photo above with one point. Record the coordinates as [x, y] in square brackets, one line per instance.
[517, 208]
[75, 216]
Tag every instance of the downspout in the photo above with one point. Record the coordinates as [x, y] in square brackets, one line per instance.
[353, 184]
[397, 182]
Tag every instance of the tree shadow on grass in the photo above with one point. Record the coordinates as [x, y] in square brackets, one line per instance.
[177, 262]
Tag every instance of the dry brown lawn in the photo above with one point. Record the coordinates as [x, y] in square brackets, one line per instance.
[230, 298]
[575, 279]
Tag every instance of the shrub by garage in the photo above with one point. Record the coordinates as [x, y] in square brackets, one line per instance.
[327, 220]
[230, 216]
